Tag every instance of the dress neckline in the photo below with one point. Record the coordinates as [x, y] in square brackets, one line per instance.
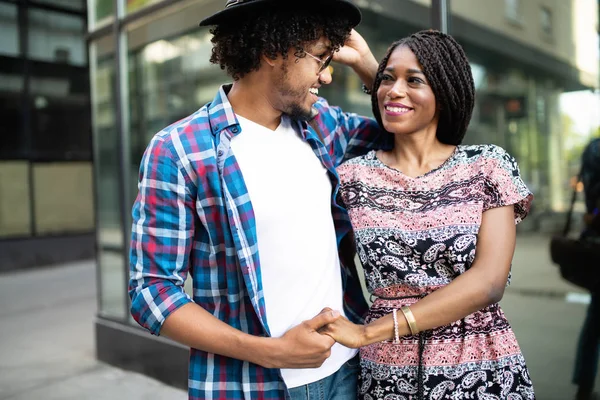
[432, 171]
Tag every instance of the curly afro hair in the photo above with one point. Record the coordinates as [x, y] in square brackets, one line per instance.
[239, 44]
[448, 72]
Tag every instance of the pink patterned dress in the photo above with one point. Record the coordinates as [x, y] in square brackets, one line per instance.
[415, 235]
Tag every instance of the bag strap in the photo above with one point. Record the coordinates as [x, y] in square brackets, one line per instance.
[573, 198]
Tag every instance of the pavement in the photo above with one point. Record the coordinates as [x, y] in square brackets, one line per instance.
[47, 346]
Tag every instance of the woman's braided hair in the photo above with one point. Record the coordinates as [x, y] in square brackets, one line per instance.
[238, 45]
[448, 72]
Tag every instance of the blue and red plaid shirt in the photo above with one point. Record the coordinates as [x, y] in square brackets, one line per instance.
[193, 215]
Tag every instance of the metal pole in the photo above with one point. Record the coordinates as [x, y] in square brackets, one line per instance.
[122, 125]
[29, 153]
[441, 15]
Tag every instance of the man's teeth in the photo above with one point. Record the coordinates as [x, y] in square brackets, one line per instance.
[397, 109]
[314, 91]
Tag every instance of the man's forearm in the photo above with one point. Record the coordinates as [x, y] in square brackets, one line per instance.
[367, 69]
[197, 328]
[300, 347]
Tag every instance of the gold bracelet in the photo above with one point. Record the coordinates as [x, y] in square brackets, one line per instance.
[410, 318]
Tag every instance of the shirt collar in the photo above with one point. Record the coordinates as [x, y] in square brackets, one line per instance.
[220, 113]
[222, 116]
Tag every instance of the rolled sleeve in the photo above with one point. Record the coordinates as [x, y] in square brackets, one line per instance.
[162, 233]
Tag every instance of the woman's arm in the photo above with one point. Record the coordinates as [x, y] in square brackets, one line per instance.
[483, 284]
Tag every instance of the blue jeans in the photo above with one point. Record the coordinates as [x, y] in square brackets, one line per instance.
[586, 361]
[340, 386]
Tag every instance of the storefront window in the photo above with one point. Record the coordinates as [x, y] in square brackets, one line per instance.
[63, 197]
[67, 4]
[15, 203]
[169, 80]
[14, 146]
[56, 37]
[134, 5]
[102, 11]
[9, 30]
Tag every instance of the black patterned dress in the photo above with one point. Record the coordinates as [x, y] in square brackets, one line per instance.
[414, 236]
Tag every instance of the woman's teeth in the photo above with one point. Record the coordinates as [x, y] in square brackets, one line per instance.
[397, 109]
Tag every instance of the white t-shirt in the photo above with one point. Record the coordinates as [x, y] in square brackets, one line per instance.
[290, 193]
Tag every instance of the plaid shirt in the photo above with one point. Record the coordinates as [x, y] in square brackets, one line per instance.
[193, 215]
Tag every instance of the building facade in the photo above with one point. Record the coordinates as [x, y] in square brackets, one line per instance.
[148, 63]
[46, 181]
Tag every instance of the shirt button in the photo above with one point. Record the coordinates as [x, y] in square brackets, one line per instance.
[220, 153]
[235, 129]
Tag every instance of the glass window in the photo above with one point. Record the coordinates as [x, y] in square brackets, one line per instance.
[110, 238]
[102, 11]
[512, 10]
[63, 197]
[56, 37]
[168, 79]
[9, 30]
[69, 115]
[69, 4]
[15, 214]
[546, 20]
[14, 145]
[134, 5]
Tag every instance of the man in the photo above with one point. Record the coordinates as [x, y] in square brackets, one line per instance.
[241, 195]
[588, 346]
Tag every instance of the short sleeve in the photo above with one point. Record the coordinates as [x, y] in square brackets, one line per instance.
[504, 185]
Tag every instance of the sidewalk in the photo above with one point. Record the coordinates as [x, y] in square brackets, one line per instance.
[47, 338]
[47, 348]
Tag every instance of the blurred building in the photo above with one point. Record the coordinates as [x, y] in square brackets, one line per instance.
[46, 196]
[149, 67]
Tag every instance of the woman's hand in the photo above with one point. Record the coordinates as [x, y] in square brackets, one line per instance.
[345, 332]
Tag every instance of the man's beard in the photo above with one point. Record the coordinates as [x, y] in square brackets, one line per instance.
[297, 113]
[294, 110]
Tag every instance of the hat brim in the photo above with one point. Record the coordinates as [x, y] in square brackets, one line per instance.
[338, 6]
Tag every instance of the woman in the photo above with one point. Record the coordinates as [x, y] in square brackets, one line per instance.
[434, 223]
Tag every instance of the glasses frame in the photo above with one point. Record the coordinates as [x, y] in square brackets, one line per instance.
[323, 63]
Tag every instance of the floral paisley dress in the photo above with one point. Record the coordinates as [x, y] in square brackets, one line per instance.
[415, 235]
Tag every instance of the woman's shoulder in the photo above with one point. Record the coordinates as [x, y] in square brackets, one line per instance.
[350, 169]
[477, 151]
[358, 161]
[486, 157]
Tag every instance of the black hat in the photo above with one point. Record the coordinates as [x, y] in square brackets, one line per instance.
[236, 8]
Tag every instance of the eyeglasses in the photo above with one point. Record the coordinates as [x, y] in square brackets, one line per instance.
[323, 63]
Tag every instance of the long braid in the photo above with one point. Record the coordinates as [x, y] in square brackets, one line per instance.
[448, 72]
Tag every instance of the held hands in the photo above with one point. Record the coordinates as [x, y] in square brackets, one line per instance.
[344, 332]
[303, 346]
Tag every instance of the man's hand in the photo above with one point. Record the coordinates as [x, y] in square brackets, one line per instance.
[353, 51]
[356, 54]
[303, 346]
[345, 332]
